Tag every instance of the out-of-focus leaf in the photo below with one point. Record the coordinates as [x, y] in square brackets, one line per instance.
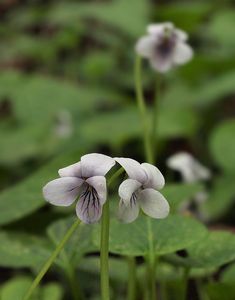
[215, 250]
[220, 291]
[220, 198]
[185, 15]
[228, 276]
[26, 196]
[169, 235]
[22, 250]
[116, 13]
[222, 145]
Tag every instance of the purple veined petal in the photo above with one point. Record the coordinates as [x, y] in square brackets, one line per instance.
[132, 168]
[155, 177]
[73, 170]
[127, 190]
[100, 186]
[145, 46]
[128, 213]
[89, 208]
[153, 204]
[62, 191]
[182, 53]
[161, 64]
[158, 28]
[95, 164]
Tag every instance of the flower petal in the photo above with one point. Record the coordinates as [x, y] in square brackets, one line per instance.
[132, 168]
[99, 184]
[96, 164]
[181, 35]
[62, 191]
[145, 46]
[153, 204]
[71, 171]
[158, 29]
[127, 188]
[89, 208]
[155, 177]
[182, 53]
[161, 64]
[128, 213]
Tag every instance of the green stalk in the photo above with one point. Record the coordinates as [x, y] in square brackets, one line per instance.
[131, 295]
[51, 259]
[150, 260]
[155, 113]
[104, 245]
[104, 253]
[143, 110]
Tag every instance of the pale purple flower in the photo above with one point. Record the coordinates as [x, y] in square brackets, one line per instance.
[139, 191]
[85, 180]
[165, 46]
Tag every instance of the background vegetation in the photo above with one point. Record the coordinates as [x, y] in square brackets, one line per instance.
[66, 89]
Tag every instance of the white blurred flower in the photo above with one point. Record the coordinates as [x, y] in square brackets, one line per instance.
[139, 191]
[84, 179]
[190, 169]
[63, 127]
[165, 46]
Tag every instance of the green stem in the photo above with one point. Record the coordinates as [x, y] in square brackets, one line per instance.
[143, 110]
[155, 113]
[185, 281]
[71, 274]
[51, 259]
[131, 295]
[104, 253]
[151, 261]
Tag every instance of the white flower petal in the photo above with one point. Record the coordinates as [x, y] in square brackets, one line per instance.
[132, 168]
[160, 64]
[145, 46]
[153, 204]
[89, 208]
[182, 53]
[128, 213]
[181, 35]
[155, 177]
[190, 169]
[127, 188]
[96, 164]
[71, 171]
[158, 29]
[99, 184]
[62, 191]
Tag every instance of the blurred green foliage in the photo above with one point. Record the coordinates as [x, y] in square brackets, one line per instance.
[66, 88]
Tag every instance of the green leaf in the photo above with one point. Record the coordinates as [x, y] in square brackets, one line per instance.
[115, 13]
[215, 250]
[222, 145]
[170, 234]
[220, 291]
[79, 244]
[220, 199]
[22, 250]
[25, 197]
[228, 276]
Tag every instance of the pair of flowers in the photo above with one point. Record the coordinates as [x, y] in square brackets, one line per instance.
[86, 179]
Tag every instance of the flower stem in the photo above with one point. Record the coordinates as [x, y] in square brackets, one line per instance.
[143, 110]
[131, 295]
[104, 253]
[155, 113]
[51, 259]
[150, 159]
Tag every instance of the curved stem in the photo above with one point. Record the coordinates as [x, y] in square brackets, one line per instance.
[131, 295]
[143, 110]
[104, 253]
[51, 259]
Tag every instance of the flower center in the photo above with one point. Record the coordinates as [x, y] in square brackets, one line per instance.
[90, 199]
[166, 45]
